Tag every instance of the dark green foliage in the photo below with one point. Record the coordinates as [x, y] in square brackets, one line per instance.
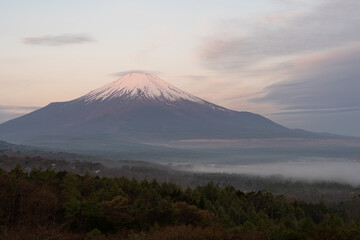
[92, 207]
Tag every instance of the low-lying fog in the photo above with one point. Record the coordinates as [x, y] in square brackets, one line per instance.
[344, 171]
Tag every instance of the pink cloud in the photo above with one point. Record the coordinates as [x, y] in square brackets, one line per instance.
[58, 40]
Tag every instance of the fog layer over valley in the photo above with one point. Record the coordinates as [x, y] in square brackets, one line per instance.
[306, 169]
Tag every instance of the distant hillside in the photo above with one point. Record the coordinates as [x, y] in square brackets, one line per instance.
[315, 191]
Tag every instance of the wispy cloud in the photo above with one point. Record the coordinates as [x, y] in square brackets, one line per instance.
[58, 40]
[302, 65]
[323, 81]
[329, 25]
[317, 111]
[17, 109]
[9, 112]
[277, 17]
[321, 93]
[196, 77]
[123, 73]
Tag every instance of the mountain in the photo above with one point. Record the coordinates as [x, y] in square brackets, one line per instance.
[141, 107]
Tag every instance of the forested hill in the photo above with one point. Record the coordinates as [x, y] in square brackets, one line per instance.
[62, 205]
[302, 190]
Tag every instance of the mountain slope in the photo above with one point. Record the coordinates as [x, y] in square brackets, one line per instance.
[142, 107]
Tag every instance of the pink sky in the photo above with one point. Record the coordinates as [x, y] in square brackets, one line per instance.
[243, 55]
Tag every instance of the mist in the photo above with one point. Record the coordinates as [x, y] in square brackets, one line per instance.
[312, 170]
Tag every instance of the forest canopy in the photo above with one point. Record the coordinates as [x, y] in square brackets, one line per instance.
[45, 204]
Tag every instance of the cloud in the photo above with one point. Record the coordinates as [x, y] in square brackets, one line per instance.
[58, 40]
[10, 112]
[317, 111]
[335, 121]
[307, 169]
[323, 82]
[302, 65]
[321, 93]
[17, 109]
[276, 17]
[330, 25]
[196, 77]
[123, 73]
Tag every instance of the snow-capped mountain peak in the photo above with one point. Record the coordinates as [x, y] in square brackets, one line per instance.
[140, 86]
[139, 108]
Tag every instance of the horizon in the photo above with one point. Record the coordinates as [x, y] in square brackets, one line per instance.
[294, 62]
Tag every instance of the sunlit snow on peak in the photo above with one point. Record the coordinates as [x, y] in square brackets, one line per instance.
[140, 86]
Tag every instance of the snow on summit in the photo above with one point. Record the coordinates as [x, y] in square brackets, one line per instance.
[140, 86]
